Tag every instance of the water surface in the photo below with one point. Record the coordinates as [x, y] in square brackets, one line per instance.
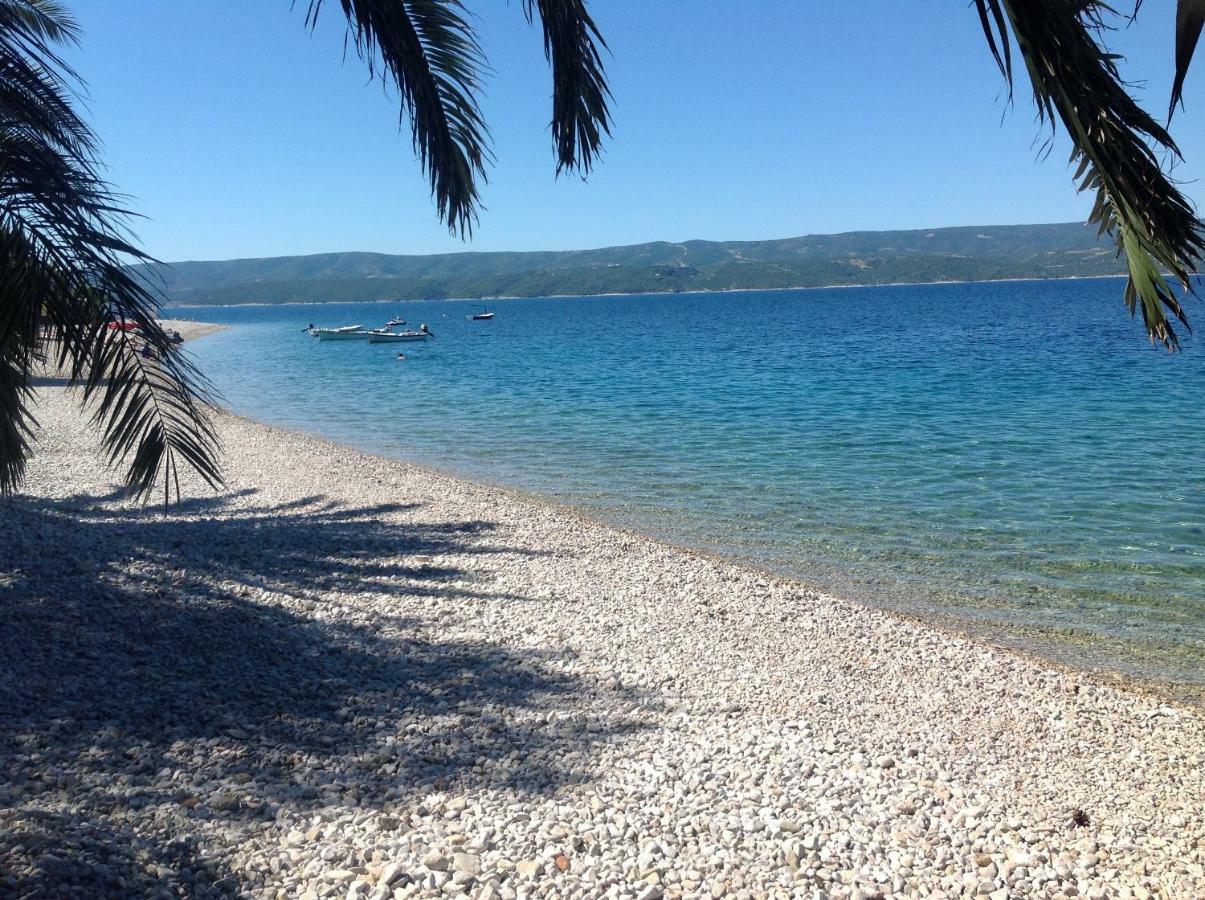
[1014, 455]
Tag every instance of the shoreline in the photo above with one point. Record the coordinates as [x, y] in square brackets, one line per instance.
[821, 287]
[1067, 652]
[350, 675]
[190, 330]
[1008, 639]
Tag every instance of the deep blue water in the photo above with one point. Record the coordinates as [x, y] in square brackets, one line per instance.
[1015, 454]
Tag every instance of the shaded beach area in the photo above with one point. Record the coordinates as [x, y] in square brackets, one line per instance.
[347, 676]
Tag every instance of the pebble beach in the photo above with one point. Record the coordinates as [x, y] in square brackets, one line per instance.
[348, 676]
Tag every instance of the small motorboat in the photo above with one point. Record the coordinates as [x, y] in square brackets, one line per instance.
[484, 316]
[394, 337]
[346, 333]
[395, 321]
[382, 336]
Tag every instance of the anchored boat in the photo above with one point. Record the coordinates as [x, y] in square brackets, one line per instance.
[346, 333]
[383, 336]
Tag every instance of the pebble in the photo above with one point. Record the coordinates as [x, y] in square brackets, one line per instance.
[466, 862]
[436, 861]
[529, 868]
[351, 677]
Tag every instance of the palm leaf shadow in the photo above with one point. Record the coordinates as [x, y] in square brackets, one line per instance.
[157, 650]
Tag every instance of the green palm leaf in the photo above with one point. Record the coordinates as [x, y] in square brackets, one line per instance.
[426, 49]
[64, 277]
[1190, 16]
[1076, 81]
[580, 115]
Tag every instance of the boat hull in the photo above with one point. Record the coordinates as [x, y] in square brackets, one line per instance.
[395, 338]
[341, 335]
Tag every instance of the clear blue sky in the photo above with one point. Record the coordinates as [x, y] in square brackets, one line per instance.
[239, 134]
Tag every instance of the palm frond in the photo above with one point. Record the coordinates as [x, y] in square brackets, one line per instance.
[580, 114]
[1076, 81]
[1190, 16]
[426, 49]
[63, 277]
[19, 340]
[40, 24]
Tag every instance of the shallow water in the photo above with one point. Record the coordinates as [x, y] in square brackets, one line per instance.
[1015, 454]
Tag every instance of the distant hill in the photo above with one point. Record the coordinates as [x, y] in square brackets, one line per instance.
[854, 258]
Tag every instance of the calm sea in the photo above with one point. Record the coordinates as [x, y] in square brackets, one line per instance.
[1012, 455]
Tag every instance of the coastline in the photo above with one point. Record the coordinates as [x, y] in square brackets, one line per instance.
[820, 287]
[999, 638]
[483, 685]
[1067, 651]
[190, 330]
[1106, 659]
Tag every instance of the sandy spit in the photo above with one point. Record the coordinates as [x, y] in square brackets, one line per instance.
[190, 330]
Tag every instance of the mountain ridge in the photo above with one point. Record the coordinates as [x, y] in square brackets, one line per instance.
[962, 253]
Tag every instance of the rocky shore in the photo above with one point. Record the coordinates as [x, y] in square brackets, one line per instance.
[351, 677]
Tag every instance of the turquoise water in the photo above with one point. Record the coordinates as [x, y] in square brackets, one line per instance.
[1014, 455]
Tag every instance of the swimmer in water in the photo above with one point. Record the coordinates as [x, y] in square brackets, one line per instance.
[401, 356]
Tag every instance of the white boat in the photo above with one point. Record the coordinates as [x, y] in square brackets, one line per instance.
[483, 316]
[394, 337]
[395, 321]
[346, 333]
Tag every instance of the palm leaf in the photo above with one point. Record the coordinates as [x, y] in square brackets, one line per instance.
[19, 340]
[1190, 16]
[426, 49]
[63, 277]
[1076, 81]
[580, 114]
